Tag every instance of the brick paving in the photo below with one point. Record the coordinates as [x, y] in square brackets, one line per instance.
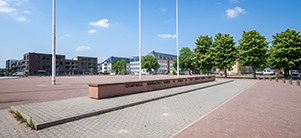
[39, 89]
[266, 109]
[45, 114]
[160, 118]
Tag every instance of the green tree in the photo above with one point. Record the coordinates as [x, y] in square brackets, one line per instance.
[286, 50]
[224, 51]
[91, 71]
[185, 58]
[253, 49]
[203, 53]
[116, 65]
[149, 63]
[83, 71]
[122, 65]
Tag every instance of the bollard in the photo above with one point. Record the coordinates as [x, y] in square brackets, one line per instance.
[263, 78]
[283, 80]
[270, 79]
[298, 82]
[276, 79]
[290, 81]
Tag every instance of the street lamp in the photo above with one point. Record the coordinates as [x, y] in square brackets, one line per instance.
[53, 45]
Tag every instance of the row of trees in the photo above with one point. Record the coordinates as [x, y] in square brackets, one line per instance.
[252, 50]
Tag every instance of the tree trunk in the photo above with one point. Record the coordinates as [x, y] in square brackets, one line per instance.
[292, 74]
[225, 73]
[254, 74]
[207, 72]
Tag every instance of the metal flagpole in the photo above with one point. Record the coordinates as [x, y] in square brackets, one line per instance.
[177, 31]
[53, 45]
[139, 39]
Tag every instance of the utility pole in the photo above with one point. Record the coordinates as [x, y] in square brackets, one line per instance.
[177, 31]
[53, 45]
[139, 39]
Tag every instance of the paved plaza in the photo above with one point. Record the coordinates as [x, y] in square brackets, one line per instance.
[240, 108]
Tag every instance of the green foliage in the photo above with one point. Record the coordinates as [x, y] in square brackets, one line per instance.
[286, 50]
[20, 118]
[185, 58]
[91, 71]
[253, 49]
[204, 54]
[174, 72]
[224, 51]
[149, 63]
[119, 65]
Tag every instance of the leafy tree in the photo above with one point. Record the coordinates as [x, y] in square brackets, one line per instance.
[72, 70]
[224, 51]
[116, 65]
[185, 58]
[122, 65]
[203, 53]
[119, 65]
[91, 71]
[253, 49]
[149, 63]
[286, 50]
[83, 71]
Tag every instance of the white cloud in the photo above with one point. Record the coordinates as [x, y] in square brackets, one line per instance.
[21, 19]
[167, 35]
[232, 13]
[101, 23]
[234, 1]
[163, 9]
[28, 12]
[82, 48]
[92, 31]
[116, 23]
[68, 35]
[4, 7]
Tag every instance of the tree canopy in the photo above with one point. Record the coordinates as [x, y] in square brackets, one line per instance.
[119, 65]
[185, 58]
[225, 52]
[149, 63]
[203, 54]
[253, 49]
[286, 50]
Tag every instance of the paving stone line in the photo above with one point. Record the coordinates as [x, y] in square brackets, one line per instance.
[56, 112]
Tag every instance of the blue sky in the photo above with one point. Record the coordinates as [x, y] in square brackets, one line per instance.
[103, 28]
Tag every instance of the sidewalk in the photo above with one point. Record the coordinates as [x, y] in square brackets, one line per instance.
[266, 109]
[160, 118]
[57, 112]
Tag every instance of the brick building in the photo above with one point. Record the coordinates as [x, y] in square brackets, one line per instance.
[41, 64]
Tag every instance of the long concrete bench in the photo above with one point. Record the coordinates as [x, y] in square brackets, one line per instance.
[105, 90]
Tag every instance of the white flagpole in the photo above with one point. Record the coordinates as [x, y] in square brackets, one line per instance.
[139, 39]
[177, 31]
[53, 45]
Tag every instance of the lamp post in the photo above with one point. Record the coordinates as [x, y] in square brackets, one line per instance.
[139, 39]
[53, 45]
[177, 31]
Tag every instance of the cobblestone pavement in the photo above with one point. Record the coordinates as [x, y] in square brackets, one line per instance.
[160, 118]
[48, 112]
[266, 109]
[39, 89]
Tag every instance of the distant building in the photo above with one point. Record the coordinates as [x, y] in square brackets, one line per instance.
[106, 66]
[236, 69]
[165, 61]
[41, 64]
[12, 64]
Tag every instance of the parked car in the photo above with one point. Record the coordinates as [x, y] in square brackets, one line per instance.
[259, 72]
[295, 72]
[268, 72]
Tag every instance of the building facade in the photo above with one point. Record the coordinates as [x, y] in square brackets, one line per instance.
[106, 66]
[165, 61]
[41, 64]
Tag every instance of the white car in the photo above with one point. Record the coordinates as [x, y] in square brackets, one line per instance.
[268, 72]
